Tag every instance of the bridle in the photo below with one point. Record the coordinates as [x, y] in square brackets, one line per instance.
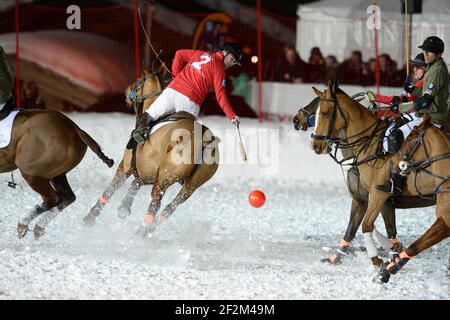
[139, 85]
[341, 143]
[328, 138]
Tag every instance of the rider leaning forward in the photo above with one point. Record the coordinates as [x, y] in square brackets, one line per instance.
[433, 100]
[195, 73]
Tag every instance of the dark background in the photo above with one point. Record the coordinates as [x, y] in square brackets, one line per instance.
[284, 7]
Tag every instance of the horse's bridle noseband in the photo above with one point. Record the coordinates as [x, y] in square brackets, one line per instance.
[328, 137]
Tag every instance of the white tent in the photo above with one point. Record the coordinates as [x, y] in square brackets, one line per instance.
[338, 27]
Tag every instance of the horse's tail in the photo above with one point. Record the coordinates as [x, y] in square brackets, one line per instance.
[94, 146]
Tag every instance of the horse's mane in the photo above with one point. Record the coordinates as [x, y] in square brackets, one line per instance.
[364, 109]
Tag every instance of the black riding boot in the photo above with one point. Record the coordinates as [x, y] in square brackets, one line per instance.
[394, 185]
[142, 131]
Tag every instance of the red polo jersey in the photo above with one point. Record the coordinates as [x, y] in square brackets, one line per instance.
[196, 72]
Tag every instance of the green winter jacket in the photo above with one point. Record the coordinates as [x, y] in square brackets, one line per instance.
[435, 84]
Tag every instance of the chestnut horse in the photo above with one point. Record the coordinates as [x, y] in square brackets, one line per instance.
[182, 151]
[360, 196]
[336, 112]
[45, 145]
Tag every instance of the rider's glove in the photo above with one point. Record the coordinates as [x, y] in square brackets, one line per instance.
[370, 96]
[395, 103]
[408, 86]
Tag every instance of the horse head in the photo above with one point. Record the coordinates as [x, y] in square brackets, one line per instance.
[329, 120]
[146, 89]
[305, 116]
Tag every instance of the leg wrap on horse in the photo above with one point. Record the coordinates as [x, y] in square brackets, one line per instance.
[397, 261]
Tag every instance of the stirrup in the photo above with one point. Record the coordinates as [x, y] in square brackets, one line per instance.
[389, 187]
[141, 135]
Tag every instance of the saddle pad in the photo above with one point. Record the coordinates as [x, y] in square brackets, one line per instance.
[159, 125]
[6, 129]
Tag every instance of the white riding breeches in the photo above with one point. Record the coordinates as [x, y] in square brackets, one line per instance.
[171, 101]
[406, 128]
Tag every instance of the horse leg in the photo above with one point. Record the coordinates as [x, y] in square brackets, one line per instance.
[162, 182]
[388, 213]
[125, 208]
[439, 231]
[50, 197]
[357, 211]
[202, 174]
[387, 243]
[118, 180]
[376, 202]
[62, 186]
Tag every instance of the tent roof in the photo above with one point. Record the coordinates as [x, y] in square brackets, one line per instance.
[437, 11]
[98, 64]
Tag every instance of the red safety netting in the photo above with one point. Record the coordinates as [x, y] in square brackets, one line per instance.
[89, 69]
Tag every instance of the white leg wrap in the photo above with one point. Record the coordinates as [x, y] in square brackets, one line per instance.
[29, 217]
[372, 250]
[382, 240]
[47, 217]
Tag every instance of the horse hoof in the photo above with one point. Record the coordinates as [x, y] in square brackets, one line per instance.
[383, 275]
[334, 259]
[38, 231]
[123, 212]
[145, 232]
[89, 220]
[22, 230]
[377, 262]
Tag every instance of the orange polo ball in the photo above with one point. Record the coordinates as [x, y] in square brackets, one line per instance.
[256, 198]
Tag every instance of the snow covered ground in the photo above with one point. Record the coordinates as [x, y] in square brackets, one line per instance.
[215, 246]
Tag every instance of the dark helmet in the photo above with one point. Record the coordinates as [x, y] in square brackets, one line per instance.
[433, 44]
[234, 50]
[419, 60]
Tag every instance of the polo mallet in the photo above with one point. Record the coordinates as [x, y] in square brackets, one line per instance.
[241, 145]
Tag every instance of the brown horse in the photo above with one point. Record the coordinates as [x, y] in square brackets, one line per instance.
[336, 112]
[182, 151]
[45, 145]
[360, 196]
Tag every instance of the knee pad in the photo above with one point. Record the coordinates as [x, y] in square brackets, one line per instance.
[395, 140]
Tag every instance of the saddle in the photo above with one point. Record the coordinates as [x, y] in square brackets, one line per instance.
[180, 115]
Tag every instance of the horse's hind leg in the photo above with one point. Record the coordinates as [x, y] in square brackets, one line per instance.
[192, 183]
[62, 186]
[439, 231]
[162, 182]
[49, 195]
[118, 180]
[127, 202]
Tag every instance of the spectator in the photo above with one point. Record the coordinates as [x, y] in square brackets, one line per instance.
[331, 68]
[351, 70]
[31, 99]
[388, 71]
[316, 66]
[291, 68]
[369, 72]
